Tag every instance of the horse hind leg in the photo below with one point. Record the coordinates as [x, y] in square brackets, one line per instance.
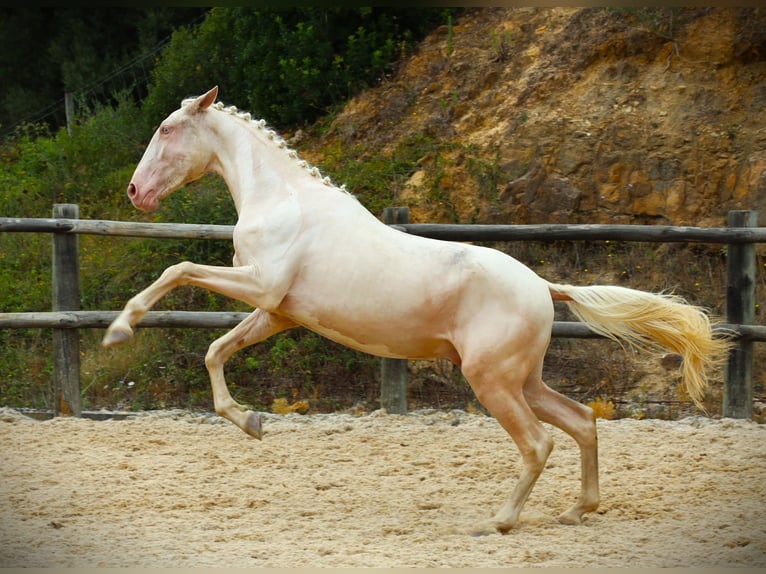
[578, 421]
[256, 327]
[500, 391]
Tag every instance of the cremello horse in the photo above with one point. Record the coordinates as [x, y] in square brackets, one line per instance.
[308, 253]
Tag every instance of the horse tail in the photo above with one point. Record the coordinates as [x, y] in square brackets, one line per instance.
[653, 322]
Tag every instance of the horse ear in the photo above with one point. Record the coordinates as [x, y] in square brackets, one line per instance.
[206, 100]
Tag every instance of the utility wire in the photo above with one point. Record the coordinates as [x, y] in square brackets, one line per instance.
[55, 107]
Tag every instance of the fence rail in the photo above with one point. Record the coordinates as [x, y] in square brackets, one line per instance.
[229, 319]
[67, 225]
[66, 318]
[449, 232]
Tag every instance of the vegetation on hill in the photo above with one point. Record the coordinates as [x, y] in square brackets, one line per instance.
[288, 65]
[484, 115]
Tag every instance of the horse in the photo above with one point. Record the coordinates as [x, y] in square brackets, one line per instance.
[307, 253]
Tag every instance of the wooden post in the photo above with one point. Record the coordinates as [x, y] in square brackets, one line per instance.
[69, 111]
[740, 310]
[393, 372]
[66, 297]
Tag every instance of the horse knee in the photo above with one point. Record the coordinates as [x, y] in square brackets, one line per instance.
[588, 418]
[213, 356]
[222, 410]
[583, 427]
[178, 273]
[536, 455]
[182, 268]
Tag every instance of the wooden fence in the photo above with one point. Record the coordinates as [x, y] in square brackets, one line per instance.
[66, 318]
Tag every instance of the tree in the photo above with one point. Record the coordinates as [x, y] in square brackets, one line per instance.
[288, 65]
[90, 52]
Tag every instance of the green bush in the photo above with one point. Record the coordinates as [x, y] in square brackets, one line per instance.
[287, 65]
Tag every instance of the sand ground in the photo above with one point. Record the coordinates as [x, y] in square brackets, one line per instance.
[174, 488]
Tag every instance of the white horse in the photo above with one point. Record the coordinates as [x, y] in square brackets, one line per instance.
[308, 253]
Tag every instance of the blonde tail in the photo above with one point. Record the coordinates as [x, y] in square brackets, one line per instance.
[653, 322]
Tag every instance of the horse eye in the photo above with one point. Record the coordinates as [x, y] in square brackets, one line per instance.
[165, 130]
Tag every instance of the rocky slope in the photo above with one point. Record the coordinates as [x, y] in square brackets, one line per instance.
[570, 115]
[588, 116]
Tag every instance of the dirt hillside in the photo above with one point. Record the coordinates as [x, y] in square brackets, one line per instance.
[591, 115]
[571, 115]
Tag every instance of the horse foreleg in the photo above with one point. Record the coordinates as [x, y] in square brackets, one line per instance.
[256, 327]
[235, 282]
[576, 420]
[504, 399]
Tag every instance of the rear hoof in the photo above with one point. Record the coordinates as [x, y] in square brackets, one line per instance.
[569, 518]
[253, 425]
[116, 337]
[488, 527]
[577, 514]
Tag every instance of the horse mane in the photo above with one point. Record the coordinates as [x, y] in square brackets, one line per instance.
[273, 136]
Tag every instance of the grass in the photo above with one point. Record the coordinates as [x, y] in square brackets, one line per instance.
[165, 368]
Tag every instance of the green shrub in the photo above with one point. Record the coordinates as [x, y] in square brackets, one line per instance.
[287, 65]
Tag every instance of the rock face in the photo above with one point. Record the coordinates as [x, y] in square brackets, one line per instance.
[571, 115]
[579, 116]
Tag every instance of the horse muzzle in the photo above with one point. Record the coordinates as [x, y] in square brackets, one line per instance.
[143, 201]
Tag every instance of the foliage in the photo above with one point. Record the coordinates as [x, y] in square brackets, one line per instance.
[602, 409]
[188, 67]
[281, 406]
[291, 66]
[90, 52]
[376, 178]
[663, 21]
[42, 165]
[287, 65]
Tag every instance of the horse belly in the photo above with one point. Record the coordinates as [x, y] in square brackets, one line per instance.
[379, 324]
[417, 298]
[396, 348]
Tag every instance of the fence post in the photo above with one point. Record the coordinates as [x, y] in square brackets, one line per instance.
[740, 310]
[393, 372]
[66, 297]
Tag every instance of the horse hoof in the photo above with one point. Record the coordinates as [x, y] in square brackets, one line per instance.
[571, 517]
[567, 519]
[488, 527]
[253, 425]
[116, 337]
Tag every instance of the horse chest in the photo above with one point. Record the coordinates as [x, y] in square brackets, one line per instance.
[258, 242]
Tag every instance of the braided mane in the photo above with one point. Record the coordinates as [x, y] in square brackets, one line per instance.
[272, 135]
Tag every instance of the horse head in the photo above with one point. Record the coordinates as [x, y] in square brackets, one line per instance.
[178, 153]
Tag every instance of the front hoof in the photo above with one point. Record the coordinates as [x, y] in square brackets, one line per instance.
[253, 425]
[116, 337]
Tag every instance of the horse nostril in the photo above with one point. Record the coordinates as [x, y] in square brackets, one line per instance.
[132, 191]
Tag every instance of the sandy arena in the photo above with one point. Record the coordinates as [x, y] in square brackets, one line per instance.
[174, 488]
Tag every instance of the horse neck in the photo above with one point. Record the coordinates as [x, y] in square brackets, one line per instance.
[256, 166]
